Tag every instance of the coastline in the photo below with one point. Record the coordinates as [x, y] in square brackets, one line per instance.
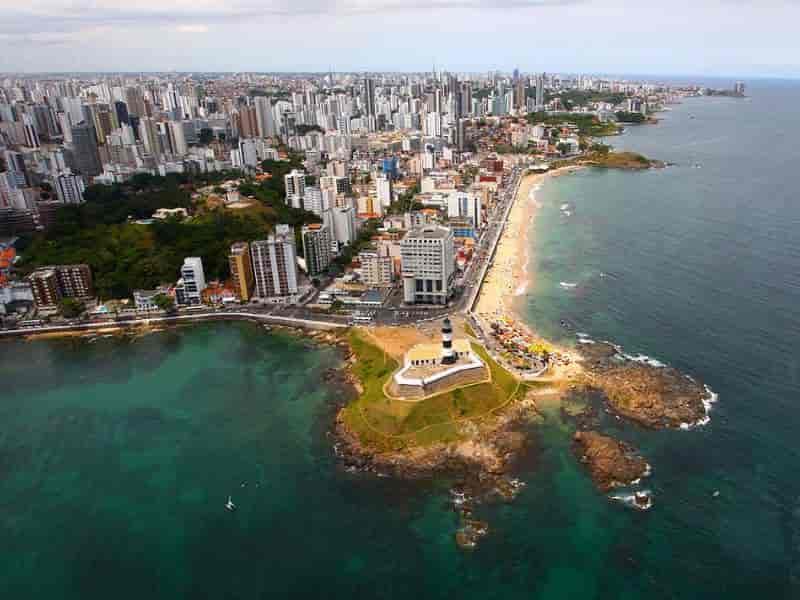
[510, 277]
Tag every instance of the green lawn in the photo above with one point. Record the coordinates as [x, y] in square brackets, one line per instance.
[384, 424]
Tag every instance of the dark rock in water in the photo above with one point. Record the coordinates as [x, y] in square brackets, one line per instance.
[653, 396]
[611, 463]
[642, 500]
[470, 533]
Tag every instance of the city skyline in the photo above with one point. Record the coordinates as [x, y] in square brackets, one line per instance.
[723, 37]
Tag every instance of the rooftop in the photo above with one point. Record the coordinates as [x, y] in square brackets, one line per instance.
[429, 232]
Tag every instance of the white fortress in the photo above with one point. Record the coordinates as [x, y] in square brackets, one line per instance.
[425, 364]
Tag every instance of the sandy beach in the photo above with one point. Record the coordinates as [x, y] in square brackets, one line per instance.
[509, 276]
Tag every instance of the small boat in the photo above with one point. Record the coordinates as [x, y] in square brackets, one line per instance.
[229, 505]
[715, 494]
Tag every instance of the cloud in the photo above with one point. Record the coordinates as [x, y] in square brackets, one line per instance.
[198, 28]
[54, 16]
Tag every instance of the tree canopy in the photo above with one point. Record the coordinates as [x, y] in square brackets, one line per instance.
[125, 256]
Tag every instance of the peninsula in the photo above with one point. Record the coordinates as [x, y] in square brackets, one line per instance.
[393, 213]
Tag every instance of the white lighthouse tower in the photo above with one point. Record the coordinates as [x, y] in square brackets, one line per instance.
[448, 357]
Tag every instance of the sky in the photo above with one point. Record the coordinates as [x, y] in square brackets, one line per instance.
[747, 38]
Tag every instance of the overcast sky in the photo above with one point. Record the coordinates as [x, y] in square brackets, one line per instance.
[686, 37]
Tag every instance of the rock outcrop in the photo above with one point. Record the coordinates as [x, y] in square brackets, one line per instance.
[654, 396]
[611, 463]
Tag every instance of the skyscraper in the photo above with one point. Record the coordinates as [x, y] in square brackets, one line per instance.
[84, 149]
[316, 248]
[465, 99]
[265, 117]
[69, 188]
[148, 133]
[369, 96]
[344, 224]
[122, 112]
[275, 264]
[540, 91]
[295, 185]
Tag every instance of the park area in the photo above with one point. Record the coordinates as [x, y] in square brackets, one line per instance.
[384, 424]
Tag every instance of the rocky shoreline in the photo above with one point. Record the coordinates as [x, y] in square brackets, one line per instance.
[480, 467]
[481, 464]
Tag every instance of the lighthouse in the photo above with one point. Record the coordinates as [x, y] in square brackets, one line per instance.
[448, 357]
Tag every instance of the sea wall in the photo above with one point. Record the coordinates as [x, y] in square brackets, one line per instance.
[172, 319]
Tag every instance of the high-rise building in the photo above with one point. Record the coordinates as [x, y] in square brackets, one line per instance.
[51, 284]
[540, 91]
[70, 188]
[74, 281]
[44, 285]
[465, 205]
[316, 248]
[31, 133]
[248, 122]
[189, 289]
[275, 264]
[17, 176]
[428, 264]
[177, 138]
[344, 225]
[295, 184]
[122, 112]
[84, 148]
[519, 92]
[341, 185]
[369, 96]
[148, 133]
[241, 270]
[313, 200]
[458, 134]
[383, 189]
[264, 116]
[465, 99]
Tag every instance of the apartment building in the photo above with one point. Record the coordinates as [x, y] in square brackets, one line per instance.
[428, 265]
[275, 264]
[316, 248]
[241, 267]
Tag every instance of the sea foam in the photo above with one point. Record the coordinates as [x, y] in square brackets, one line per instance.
[708, 403]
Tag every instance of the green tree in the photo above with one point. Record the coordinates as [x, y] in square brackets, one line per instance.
[165, 302]
[600, 148]
[71, 307]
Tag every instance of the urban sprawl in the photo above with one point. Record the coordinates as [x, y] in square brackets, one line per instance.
[338, 197]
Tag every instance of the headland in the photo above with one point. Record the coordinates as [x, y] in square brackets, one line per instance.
[476, 430]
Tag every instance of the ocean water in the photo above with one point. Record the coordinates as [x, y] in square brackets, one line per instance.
[698, 266]
[116, 457]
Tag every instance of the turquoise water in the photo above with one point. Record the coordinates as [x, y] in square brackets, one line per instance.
[116, 457]
[698, 265]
